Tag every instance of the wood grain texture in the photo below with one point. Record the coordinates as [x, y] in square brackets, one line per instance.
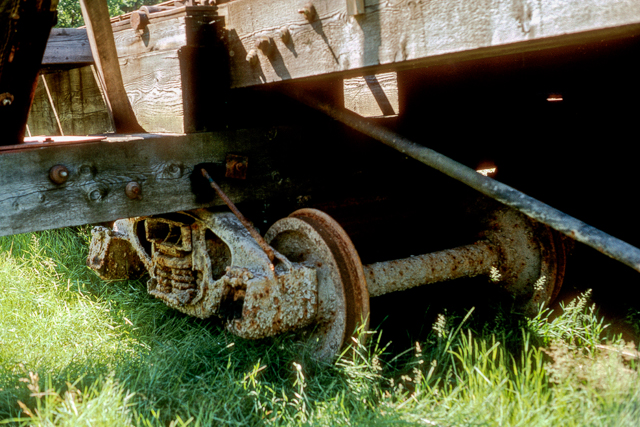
[393, 34]
[99, 172]
[158, 36]
[153, 82]
[77, 100]
[67, 46]
[372, 96]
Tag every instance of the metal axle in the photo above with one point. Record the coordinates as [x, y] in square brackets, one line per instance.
[398, 275]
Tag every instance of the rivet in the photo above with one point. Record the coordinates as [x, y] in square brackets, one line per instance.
[133, 190]
[86, 170]
[58, 174]
[95, 195]
[284, 34]
[265, 44]
[252, 57]
[309, 11]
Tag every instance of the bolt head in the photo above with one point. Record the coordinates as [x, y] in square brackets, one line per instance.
[133, 190]
[309, 12]
[252, 57]
[284, 34]
[59, 174]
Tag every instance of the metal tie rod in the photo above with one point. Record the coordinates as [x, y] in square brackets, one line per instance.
[533, 208]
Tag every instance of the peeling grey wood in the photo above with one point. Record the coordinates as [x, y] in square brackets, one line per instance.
[67, 46]
[100, 171]
[396, 34]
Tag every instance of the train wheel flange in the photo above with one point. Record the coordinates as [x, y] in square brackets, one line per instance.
[311, 237]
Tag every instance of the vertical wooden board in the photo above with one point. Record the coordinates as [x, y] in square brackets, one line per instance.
[41, 120]
[95, 115]
[78, 102]
[153, 82]
[373, 95]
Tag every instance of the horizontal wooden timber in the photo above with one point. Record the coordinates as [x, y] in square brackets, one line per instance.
[398, 34]
[67, 46]
[98, 173]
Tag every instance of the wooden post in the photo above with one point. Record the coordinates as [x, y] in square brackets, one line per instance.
[103, 48]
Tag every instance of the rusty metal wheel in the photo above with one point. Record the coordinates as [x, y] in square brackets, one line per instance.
[312, 237]
[533, 258]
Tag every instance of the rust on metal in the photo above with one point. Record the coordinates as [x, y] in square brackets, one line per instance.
[205, 264]
[133, 190]
[254, 233]
[59, 174]
[236, 166]
[311, 237]
[309, 11]
[112, 256]
[528, 257]
[397, 275]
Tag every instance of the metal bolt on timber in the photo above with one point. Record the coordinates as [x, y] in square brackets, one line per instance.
[133, 190]
[252, 57]
[59, 174]
[309, 12]
[265, 44]
[284, 34]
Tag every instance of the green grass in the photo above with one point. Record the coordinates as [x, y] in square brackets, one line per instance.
[75, 350]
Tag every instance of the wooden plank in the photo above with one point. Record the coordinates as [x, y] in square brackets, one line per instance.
[159, 36]
[372, 96]
[78, 101]
[285, 164]
[105, 55]
[398, 34]
[99, 172]
[153, 82]
[67, 46]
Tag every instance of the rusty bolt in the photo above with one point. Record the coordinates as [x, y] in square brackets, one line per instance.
[309, 11]
[139, 20]
[265, 44]
[7, 99]
[284, 34]
[58, 174]
[133, 190]
[252, 57]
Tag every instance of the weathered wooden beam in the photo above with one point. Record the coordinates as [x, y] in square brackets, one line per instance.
[401, 34]
[67, 46]
[98, 173]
